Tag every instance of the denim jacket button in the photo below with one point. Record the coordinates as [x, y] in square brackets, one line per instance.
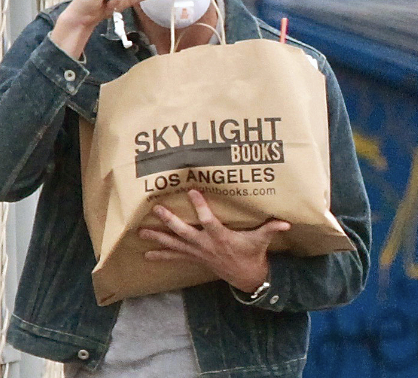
[69, 75]
[274, 299]
[83, 354]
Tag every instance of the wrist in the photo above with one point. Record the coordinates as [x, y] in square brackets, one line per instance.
[74, 22]
[254, 281]
[75, 18]
[254, 295]
[72, 34]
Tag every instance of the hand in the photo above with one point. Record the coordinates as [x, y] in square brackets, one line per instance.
[238, 257]
[92, 12]
[76, 24]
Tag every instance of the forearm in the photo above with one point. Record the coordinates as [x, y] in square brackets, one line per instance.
[74, 42]
[316, 283]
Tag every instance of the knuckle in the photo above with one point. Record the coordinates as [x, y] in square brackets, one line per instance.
[146, 234]
[206, 220]
[166, 217]
[223, 239]
[183, 233]
[167, 241]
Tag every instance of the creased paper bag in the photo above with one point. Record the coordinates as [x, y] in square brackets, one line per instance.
[246, 124]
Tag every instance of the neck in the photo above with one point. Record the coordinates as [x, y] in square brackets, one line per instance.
[193, 35]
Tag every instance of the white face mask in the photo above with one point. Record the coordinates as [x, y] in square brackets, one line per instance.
[186, 12]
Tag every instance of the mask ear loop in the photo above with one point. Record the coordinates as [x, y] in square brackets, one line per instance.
[221, 36]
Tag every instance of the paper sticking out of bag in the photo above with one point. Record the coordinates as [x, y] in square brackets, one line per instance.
[245, 124]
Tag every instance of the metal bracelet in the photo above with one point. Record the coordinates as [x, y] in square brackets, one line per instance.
[260, 289]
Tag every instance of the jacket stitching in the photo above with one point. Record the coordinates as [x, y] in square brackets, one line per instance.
[274, 31]
[29, 150]
[80, 338]
[109, 337]
[51, 12]
[218, 323]
[258, 367]
[260, 35]
[81, 111]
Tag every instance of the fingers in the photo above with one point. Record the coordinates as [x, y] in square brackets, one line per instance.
[169, 255]
[119, 5]
[275, 226]
[206, 218]
[167, 241]
[175, 224]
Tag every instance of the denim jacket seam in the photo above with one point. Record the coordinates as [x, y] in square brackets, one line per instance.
[258, 367]
[192, 342]
[81, 111]
[221, 344]
[320, 57]
[108, 340]
[256, 21]
[15, 173]
[46, 14]
[322, 65]
[40, 329]
[47, 18]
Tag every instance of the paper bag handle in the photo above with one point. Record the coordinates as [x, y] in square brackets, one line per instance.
[221, 37]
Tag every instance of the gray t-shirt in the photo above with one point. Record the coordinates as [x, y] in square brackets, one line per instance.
[150, 340]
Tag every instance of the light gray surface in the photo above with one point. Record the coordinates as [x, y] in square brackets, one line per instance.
[21, 13]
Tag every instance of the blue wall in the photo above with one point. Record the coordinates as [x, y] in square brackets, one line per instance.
[377, 335]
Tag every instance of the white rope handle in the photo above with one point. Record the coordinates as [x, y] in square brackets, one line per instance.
[221, 36]
[200, 24]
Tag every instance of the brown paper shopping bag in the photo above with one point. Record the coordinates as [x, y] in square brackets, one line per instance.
[246, 124]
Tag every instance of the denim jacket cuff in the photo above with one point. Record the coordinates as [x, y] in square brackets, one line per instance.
[66, 72]
[276, 296]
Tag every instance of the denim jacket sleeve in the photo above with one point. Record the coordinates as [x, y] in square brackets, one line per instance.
[316, 283]
[36, 80]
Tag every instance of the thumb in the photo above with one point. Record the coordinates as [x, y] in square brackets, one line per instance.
[265, 233]
[270, 228]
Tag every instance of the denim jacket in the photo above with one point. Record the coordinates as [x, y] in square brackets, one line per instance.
[43, 92]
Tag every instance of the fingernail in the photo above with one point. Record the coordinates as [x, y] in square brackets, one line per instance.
[151, 255]
[158, 210]
[285, 226]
